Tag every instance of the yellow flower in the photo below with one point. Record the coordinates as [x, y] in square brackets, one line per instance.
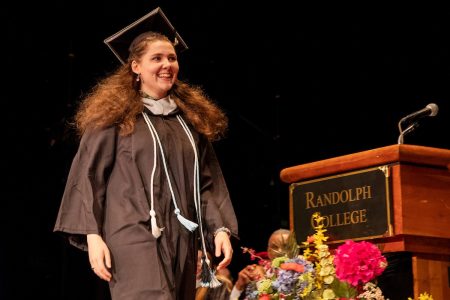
[423, 296]
[309, 279]
[328, 279]
[328, 294]
[326, 270]
[264, 286]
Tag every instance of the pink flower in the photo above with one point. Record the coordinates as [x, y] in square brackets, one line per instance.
[260, 255]
[253, 254]
[358, 262]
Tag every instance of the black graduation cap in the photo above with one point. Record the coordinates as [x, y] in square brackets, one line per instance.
[156, 21]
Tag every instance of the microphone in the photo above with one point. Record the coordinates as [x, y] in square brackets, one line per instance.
[428, 111]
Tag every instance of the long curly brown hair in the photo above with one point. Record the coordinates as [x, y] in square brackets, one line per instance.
[116, 100]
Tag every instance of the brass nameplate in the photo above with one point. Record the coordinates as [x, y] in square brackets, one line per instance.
[355, 205]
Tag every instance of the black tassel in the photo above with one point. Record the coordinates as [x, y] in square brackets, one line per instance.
[207, 277]
[206, 272]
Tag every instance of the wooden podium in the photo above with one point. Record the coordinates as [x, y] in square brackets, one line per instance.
[420, 203]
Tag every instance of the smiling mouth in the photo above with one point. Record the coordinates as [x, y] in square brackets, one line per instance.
[165, 76]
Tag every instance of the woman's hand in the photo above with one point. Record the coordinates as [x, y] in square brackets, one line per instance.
[223, 246]
[244, 277]
[99, 256]
[252, 272]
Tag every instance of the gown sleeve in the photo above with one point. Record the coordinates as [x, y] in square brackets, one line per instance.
[81, 208]
[217, 206]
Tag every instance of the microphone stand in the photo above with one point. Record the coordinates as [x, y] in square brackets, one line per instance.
[407, 130]
[429, 111]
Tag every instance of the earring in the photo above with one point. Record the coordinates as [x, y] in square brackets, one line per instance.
[138, 77]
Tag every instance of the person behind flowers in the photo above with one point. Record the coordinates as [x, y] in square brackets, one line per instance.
[145, 185]
[276, 247]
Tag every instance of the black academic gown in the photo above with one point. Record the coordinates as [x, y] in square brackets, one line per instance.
[108, 193]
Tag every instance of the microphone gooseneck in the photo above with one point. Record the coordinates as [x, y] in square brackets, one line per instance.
[412, 120]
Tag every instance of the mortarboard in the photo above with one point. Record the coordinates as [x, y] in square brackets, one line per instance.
[155, 21]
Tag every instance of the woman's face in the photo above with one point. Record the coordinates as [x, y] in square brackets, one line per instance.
[158, 68]
[277, 245]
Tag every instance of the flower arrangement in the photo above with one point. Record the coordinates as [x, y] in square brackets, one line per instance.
[317, 274]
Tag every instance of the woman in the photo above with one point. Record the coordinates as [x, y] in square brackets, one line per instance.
[278, 245]
[145, 187]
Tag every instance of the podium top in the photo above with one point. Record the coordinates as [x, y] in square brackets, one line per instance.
[403, 153]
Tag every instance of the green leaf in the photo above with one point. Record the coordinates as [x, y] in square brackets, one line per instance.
[343, 289]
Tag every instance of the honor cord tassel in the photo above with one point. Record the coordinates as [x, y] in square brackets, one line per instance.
[191, 226]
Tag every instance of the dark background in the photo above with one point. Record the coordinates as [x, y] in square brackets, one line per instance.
[299, 84]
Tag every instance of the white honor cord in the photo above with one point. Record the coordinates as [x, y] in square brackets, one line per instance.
[156, 231]
[196, 175]
[196, 182]
[213, 281]
[191, 226]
